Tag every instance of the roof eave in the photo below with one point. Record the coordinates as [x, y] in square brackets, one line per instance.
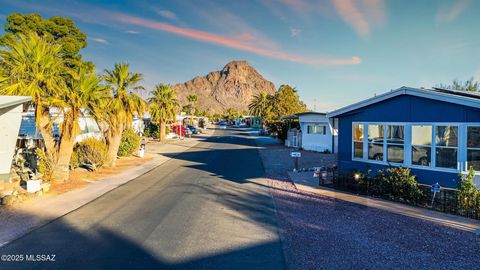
[15, 102]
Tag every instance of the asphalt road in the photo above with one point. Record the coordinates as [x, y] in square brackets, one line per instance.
[207, 208]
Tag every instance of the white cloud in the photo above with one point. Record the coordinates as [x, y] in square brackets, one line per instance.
[167, 14]
[295, 32]
[132, 32]
[100, 40]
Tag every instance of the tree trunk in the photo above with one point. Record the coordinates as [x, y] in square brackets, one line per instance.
[61, 171]
[163, 129]
[46, 130]
[113, 140]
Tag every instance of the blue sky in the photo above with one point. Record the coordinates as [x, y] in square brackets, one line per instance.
[333, 51]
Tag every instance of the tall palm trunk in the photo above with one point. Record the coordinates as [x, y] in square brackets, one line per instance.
[114, 138]
[66, 143]
[61, 171]
[163, 130]
[43, 121]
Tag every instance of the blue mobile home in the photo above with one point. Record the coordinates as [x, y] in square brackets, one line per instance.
[434, 132]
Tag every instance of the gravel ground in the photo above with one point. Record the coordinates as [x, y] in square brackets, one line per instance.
[326, 233]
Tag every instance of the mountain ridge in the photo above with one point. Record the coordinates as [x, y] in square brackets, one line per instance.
[231, 87]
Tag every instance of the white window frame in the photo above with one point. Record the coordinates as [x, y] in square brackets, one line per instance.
[322, 127]
[434, 151]
[383, 143]
[432, 147]
[385, 152]
[465, 168]
[353, 142]
[407, 162]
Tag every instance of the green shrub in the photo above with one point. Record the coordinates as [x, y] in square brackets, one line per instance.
[201, 123]
[45, 163]
[129, 144]
[90, 152]
[398, 184]
[152, 130]
[280, 128]
[395, 183]
[468, 196]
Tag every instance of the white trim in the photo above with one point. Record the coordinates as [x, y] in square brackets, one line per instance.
[424, 93]
[11, 101]
[461, 145]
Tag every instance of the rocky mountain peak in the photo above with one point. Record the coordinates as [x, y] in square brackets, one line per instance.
[232, 87]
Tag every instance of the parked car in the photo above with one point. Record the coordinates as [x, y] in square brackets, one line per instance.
[223, 126]
[194, 130]
[420, 155]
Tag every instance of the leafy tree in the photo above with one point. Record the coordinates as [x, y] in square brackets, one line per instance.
[84, 96]
[231, 114]
[192, 100]
[30, 66]
[56, 30]
[163, 107]
[123, 104]
[469, 85]
[286, 102]
[261, 106]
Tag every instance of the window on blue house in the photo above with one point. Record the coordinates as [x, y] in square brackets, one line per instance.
[422, 145]
[317, 129]
[473, 148]
[395, 143]
[375, 142]
[446, 146]
[358, 140]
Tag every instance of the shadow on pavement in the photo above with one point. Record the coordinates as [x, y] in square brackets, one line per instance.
[101, 248]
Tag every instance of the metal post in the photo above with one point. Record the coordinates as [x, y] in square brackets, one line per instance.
[433, 198]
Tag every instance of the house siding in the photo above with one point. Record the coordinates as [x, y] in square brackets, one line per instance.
[402, 108]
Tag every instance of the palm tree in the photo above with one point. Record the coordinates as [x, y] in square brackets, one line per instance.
[123, 105]
[192, 99]
[261, 105]
[30, 66]
[84, 96]
[163, 107]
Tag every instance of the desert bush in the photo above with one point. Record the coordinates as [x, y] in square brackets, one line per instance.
[468, 196]
[90, 152]
[129, 144]
[152, 130]
[201, 123]
[395, 183]
[45, 163]
[280, 128]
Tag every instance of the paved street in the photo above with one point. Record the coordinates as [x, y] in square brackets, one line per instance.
[207, 208]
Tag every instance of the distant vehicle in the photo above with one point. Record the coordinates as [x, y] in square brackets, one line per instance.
[194, 130]
[223, 126]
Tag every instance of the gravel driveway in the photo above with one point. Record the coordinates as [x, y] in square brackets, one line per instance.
[326, 233]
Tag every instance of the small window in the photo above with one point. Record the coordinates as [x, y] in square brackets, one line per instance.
[358, 140]
[422, 145]
[317, 129]
[375, 142]
[395, 143]
[473, 148]
[446, 146]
